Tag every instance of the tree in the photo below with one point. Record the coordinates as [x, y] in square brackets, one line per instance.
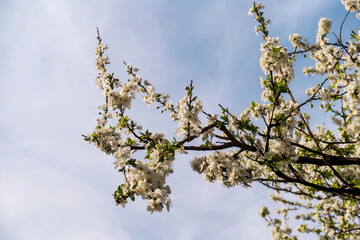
[273, 142]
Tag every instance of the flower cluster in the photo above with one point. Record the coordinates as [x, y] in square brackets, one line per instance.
[324, 28]
[187, 114]
[222, 167]
[352, 5]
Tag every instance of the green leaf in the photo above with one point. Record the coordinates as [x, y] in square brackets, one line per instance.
[249, 139]
[135, 184]
[225, 118]
[276, 50]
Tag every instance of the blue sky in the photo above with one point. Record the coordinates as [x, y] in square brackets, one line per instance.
[53, 184]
